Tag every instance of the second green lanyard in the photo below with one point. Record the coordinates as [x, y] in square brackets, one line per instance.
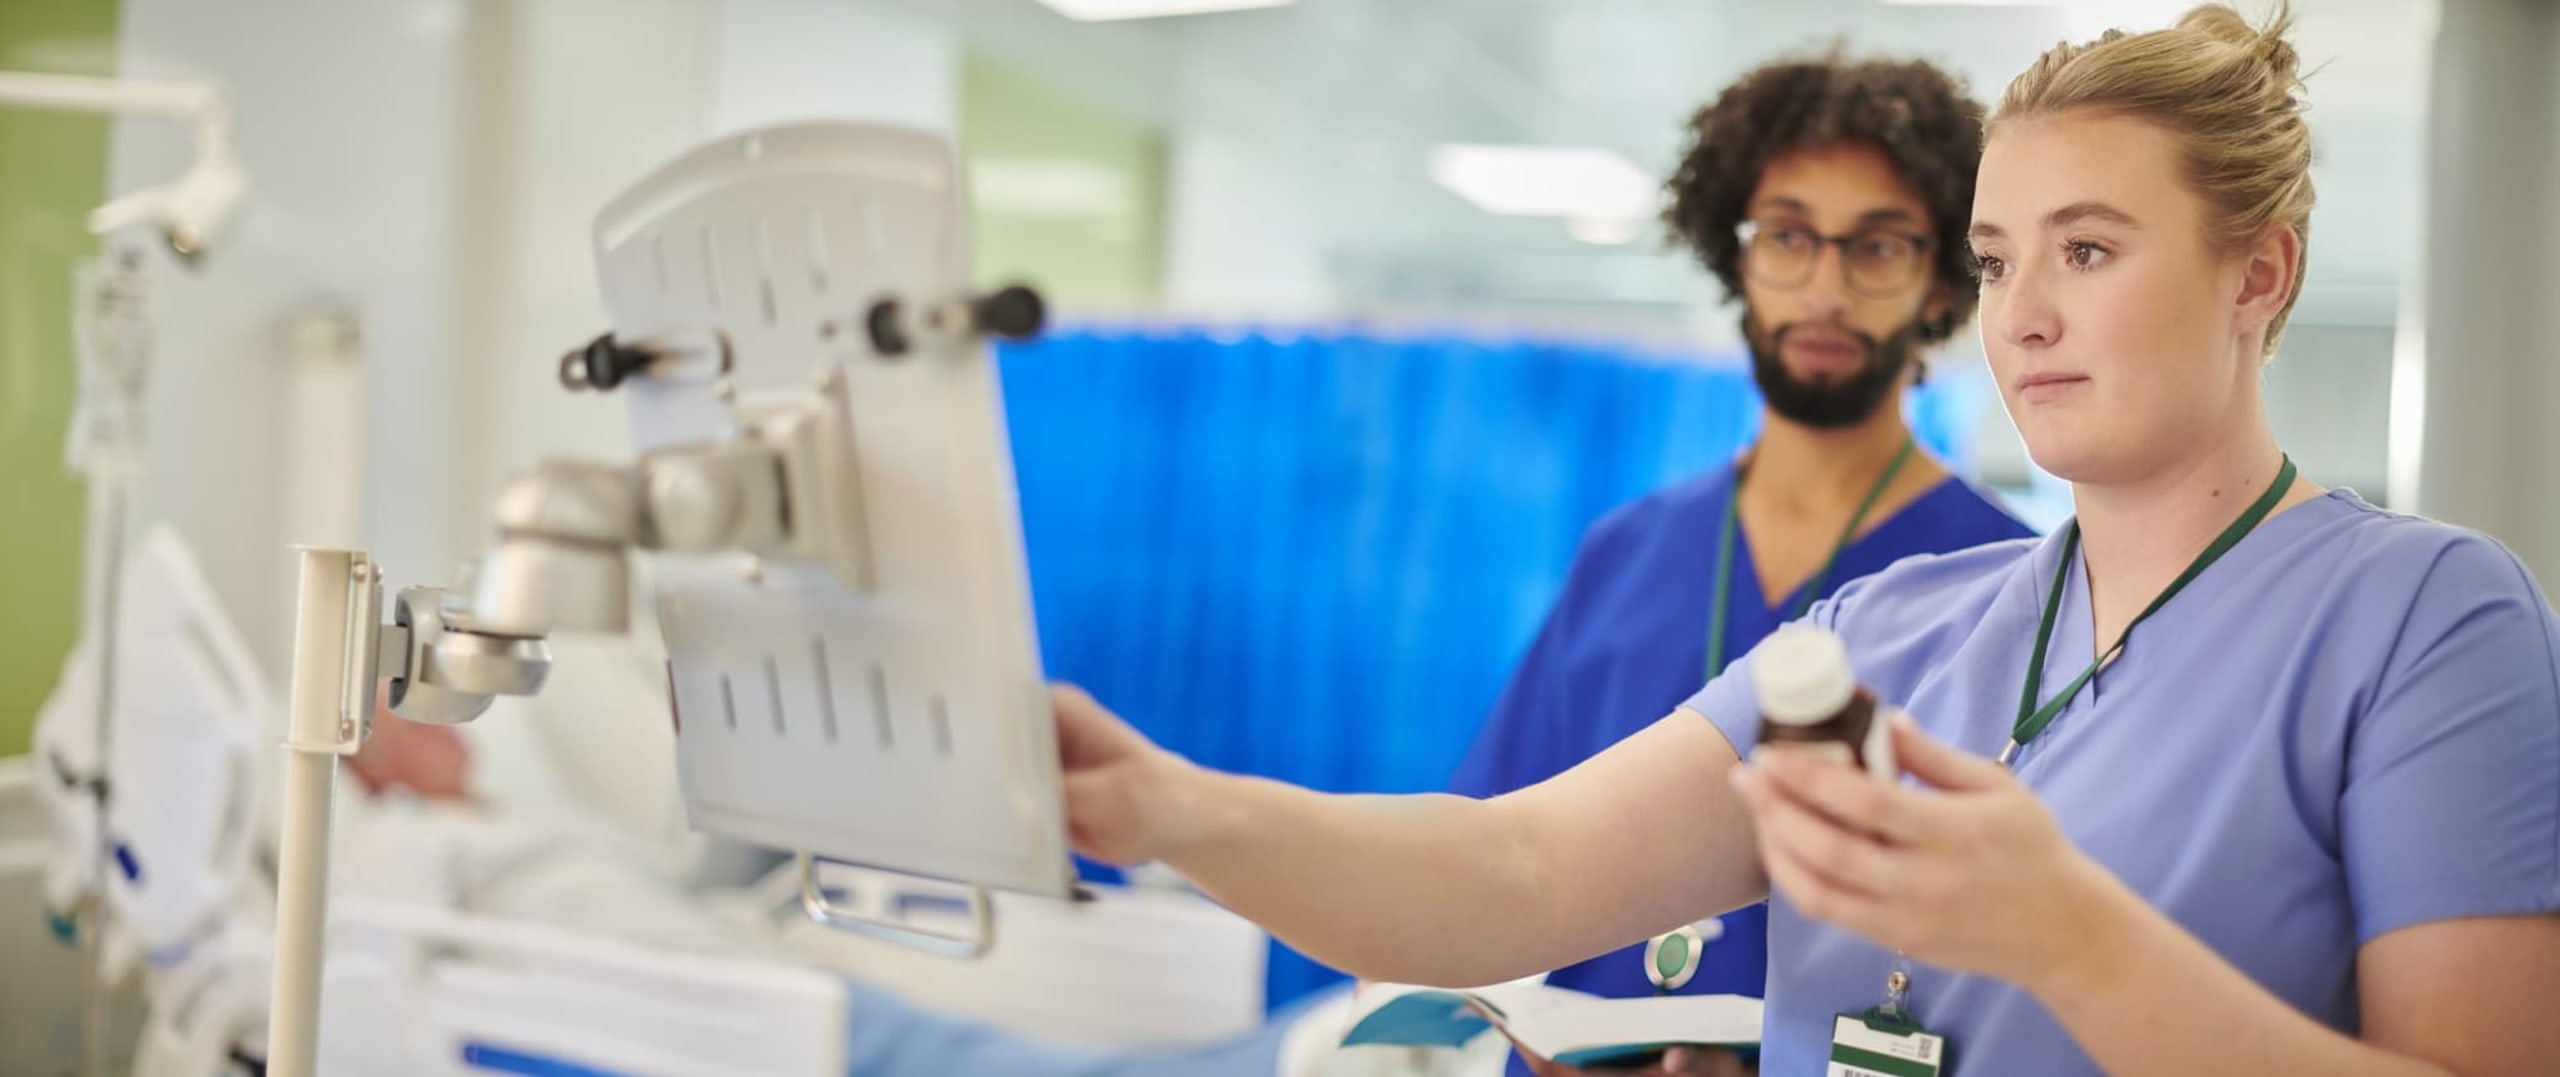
[1726, 540]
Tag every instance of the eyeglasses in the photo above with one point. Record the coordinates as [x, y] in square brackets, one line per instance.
[1880, 263]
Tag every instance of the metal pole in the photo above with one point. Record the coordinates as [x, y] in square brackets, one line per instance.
[332, 631]
[106, 568]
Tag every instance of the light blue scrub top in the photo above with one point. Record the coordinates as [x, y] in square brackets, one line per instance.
[2349, 724]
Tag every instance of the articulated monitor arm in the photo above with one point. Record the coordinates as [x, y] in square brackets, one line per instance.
[781, 487]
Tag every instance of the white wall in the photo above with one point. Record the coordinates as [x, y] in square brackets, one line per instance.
[1241, 240]
[2492, 289]
[784, 60]
[573, 100]
[595, 94]
[2329, 398]
[432, 166]
[345, 126]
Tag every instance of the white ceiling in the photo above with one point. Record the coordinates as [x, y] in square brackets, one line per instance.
[1342, 101]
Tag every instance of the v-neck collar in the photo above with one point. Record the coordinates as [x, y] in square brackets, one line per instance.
[2075, 642]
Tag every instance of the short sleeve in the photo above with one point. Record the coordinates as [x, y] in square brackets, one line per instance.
[1732, 704]
[2451, 805]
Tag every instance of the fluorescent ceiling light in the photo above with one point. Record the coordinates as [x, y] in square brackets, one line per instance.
[1604, 231]
[1105, 10]
[1547, 181]
[1050, 187]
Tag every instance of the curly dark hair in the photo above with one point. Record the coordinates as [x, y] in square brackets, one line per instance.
[1918, 115]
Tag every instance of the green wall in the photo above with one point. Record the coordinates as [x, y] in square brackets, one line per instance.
[1063, 196]
[53, 169]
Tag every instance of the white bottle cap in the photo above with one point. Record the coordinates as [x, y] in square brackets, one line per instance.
[1802, 675]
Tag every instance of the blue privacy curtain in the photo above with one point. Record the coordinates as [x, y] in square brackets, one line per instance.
[1315, 556]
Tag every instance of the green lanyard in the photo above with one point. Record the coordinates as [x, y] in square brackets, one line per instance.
[2031, 718]
[1812, 588]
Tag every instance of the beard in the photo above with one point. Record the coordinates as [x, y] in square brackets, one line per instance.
[1829, 403]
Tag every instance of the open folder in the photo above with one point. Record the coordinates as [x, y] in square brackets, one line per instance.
[1565, 1026]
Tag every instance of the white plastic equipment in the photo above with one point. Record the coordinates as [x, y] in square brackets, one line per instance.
[1130, 968]
[826, 492]
[418, 991]
[884, 706]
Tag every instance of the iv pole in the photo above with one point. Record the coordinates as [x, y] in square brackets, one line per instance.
[112, 329]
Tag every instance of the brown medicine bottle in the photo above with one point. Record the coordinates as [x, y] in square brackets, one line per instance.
[1809, 699]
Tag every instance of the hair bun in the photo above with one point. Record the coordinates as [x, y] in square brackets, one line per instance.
[2282, 60]
[2266, 44]
[2220, 22]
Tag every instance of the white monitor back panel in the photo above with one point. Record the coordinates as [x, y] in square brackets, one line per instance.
[905, 725]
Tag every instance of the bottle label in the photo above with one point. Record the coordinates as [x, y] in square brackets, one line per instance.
[1827, 749]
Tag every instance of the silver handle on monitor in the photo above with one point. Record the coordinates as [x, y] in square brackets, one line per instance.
[982, 920]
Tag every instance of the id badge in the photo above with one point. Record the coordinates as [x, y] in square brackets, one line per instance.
[1873, 1045]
